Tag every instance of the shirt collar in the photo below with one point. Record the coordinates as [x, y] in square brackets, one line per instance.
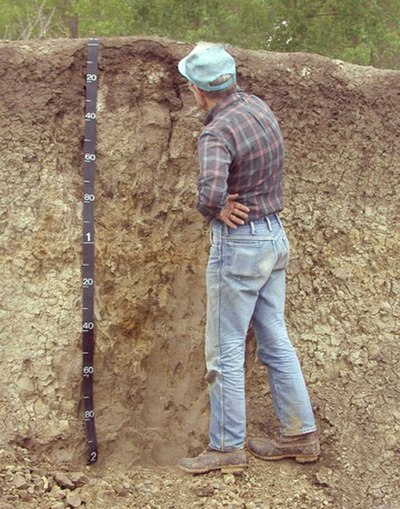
[222, 104]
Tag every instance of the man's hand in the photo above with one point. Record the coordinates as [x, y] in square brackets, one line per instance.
[234, 213]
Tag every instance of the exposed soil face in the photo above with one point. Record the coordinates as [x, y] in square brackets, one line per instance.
[342, 132]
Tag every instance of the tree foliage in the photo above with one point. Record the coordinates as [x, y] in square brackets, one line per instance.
[360, 31]
[366, 32]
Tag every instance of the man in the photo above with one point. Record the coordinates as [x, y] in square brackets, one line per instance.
[241, 157]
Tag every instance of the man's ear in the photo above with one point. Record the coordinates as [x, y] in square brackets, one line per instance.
[201, 97]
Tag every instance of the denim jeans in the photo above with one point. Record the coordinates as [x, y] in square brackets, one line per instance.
[246, 284]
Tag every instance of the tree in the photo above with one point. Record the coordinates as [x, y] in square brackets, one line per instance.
[361, 31]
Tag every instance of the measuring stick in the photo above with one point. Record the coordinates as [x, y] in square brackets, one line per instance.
[88, 246]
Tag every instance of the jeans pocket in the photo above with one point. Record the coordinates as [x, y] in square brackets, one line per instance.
[285, 252]
[242, 259]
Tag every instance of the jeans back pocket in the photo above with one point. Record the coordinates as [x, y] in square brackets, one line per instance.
[242, 259]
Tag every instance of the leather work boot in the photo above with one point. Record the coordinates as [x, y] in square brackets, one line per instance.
[227, 462]
[303, 448]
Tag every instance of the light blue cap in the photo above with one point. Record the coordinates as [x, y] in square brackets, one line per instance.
[205, 64]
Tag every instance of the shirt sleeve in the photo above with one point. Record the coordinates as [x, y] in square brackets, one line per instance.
[215, 160]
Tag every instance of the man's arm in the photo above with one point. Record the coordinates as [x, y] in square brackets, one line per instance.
[215, 160]
[213, 200]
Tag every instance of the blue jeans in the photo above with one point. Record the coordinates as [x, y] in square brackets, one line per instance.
[246, 284]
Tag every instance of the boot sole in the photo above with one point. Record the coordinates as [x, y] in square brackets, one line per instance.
[226, 469]
[300, 458]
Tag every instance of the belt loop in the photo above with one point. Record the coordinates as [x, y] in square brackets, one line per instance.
[268, 221]
[226, 230]
[252, 227]
[279, 221]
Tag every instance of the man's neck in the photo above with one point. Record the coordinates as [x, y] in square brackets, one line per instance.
[210, 104]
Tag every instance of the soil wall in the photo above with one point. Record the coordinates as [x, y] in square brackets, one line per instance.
[342, 132]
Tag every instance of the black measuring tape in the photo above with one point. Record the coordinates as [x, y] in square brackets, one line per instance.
[88, 247]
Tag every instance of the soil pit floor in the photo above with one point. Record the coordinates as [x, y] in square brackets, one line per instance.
[27, 482]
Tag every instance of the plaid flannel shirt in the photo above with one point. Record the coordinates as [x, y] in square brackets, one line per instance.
[240, 151]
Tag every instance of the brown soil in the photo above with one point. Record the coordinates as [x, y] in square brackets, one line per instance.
[342, 132]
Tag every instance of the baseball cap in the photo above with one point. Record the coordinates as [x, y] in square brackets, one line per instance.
[205, 64]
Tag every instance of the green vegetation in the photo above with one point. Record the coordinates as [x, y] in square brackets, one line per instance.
[365, 32]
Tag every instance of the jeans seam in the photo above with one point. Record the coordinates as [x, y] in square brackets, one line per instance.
[219, 351]
[277, 399]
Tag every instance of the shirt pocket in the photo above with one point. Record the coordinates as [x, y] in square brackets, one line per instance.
[242, 259]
